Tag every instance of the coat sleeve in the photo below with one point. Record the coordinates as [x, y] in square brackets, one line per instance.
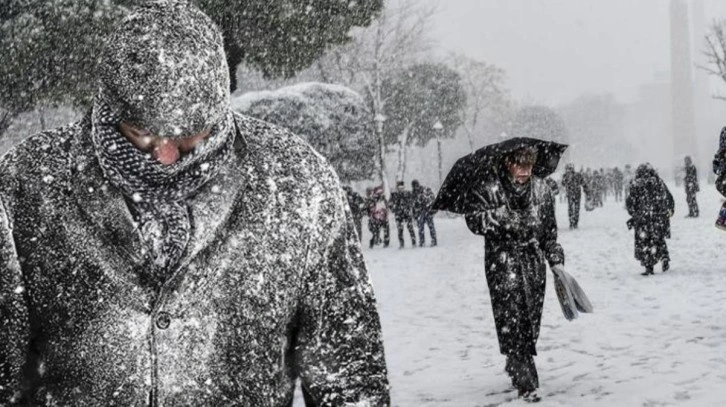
[339, 349]
[548, 239]
[14, 323]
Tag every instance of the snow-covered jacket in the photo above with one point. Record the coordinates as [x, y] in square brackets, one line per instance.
[272, 286]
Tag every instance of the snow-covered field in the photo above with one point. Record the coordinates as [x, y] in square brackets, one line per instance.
[653, 341]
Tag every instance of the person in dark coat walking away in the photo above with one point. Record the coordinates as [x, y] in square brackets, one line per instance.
[691, 183]
[378, 218]
[402, 207]
[573, 184]
[618, 184]
[423, 197]
[166, 251]
[357, 207]
[520, 238]
[650, 205]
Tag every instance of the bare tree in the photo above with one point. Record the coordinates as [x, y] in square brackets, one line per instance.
[716, 52]
[396, 39]
[488, 103]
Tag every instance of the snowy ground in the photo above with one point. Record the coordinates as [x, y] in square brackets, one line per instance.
[653, 341]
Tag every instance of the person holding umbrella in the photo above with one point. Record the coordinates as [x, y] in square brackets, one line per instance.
[514, 210]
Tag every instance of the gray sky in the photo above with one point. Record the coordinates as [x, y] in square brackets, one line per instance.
[555, 50]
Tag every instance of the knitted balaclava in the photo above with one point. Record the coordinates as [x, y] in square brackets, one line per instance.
[163, 70]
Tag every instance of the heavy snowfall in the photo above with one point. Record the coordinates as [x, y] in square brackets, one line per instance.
[652, 341]
[210, 202]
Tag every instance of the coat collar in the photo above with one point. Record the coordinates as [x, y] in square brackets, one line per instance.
[106, 210]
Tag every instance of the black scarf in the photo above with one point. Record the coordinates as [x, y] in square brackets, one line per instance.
[157, 194]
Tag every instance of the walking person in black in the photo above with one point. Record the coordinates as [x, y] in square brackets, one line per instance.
[357, 206]
[691, 183]
[402, 207]
[573, 184]
[650, 205]
[423, 197]
[520, 238]
[618, 180]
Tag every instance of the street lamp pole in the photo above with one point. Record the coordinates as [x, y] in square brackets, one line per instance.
[438, 128]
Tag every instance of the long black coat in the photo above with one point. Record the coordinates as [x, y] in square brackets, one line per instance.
[272, 287]
[650, 204]
[520, 235]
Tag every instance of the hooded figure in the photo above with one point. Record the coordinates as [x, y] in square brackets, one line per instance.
[650, 205]
[165, 251]
[520, 232]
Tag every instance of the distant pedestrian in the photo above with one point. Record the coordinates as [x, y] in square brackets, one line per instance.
[402, 207]
[650, 205]
[618, 184]
[691, 183]
[357, 208]
[378, 217]
[423, 197]
[573, 184]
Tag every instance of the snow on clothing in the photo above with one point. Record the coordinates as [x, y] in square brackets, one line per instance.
[402, 206]
[248, 309]
[378, 218]
[650, 204]
[520, 235]
[573, 184]
[423, 197]
[158, 191]
[691, 184]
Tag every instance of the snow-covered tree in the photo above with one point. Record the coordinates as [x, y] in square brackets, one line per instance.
[332, 118]
[49, 50]
[417, 99]
[397, 38]
[49, 47]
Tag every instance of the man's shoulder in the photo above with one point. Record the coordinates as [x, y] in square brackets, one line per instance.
[44, 151]
[278, 148]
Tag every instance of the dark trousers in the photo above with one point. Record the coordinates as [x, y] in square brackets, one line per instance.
[573, 209]
[692, 204]
[375, 227]
[618, 194]
[409, 224]
[426, 220]
[358, 220]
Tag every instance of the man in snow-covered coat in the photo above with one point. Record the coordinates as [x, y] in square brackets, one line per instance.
[164, 251]
[650, 205]
[520, 238]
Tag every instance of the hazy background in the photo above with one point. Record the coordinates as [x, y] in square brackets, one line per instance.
[604, 66]
[555, 50]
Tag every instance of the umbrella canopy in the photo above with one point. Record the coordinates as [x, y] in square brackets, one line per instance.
[483, 165]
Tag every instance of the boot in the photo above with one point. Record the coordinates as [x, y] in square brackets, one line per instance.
[530, 396]
[648, 271]
[522, 371]
[666, 265]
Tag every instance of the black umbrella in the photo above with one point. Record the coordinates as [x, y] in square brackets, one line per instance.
[456, 194]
